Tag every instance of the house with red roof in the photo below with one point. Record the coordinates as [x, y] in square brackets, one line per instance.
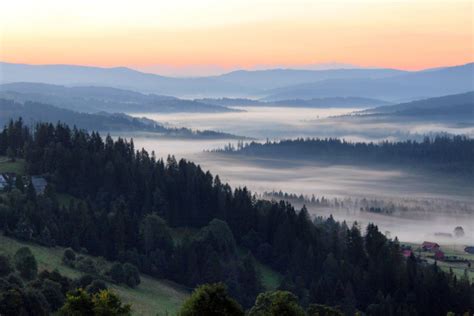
[430, 246]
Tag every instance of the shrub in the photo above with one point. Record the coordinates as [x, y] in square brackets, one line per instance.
[69, 257]
[25, 263]
[5, 266]
[211, 300]
[131, 274]
[86, 265]
[116, 273]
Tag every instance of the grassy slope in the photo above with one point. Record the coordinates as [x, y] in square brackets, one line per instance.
[271, 279]
[17, 167]
[449, 250]
[151, 297]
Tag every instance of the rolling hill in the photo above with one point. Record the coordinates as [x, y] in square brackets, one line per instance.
[414, 85]
[34, 112]
[426, 106]
[95, 99]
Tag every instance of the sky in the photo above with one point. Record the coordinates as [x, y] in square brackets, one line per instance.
[198, 37]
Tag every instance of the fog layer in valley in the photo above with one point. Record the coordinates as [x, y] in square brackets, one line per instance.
[282, 122]
[342, 181]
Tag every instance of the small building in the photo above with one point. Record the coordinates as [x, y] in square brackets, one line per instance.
[446, 235]
[439, 255]
[469, 249]
[3, 182]
[39, 184]
[407, 253]
[430, 246]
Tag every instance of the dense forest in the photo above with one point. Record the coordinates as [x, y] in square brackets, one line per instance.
[127, 206]
[443, 153]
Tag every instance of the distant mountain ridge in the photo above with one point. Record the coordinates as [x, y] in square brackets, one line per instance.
[276, 78]
[272, 85]
[414, 85]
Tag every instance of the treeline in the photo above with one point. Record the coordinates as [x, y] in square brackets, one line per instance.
[127, 205]
[444, 152]
[391, 206]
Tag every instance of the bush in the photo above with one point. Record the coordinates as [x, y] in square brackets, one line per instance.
[131, 274]
[211, 300]
[52, 292]
[13, 278]
[5, 266]
[116, 273]
[99, 304]
[86, 265]
[84, 281]
[69, 257]
[25, 263]
[96, 286]
[277, 303]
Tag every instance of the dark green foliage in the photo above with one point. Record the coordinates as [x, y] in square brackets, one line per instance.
[277, 303]
[211, 300]
[96, 286]
[5, 266]
[103, 303]
[155, 234]
[446, 153]
[117, 273]
[69, 257]
[124, 273]
[131, 275]
[323, 310]
[86, 264]
[125, 203]
[53, 293]
[41, 295]
[26, 263]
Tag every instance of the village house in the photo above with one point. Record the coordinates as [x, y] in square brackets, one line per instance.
[3, 182]
[39, 184]
[430, 246]
[407, 253]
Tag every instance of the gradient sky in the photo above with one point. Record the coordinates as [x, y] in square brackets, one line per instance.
[214, 35]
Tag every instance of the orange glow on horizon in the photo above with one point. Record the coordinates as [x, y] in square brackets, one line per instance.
[407, 35]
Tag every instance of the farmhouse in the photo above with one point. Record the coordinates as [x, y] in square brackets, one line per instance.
[39, 183]
[3, 182]
[430, 246]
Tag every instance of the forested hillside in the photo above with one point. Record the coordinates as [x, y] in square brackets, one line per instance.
[126, 203]
[97, 98]
[445, 153]
[34, 112]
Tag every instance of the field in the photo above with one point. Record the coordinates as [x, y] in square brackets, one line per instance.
[17, 166]
[151, 297]
[449, 250]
